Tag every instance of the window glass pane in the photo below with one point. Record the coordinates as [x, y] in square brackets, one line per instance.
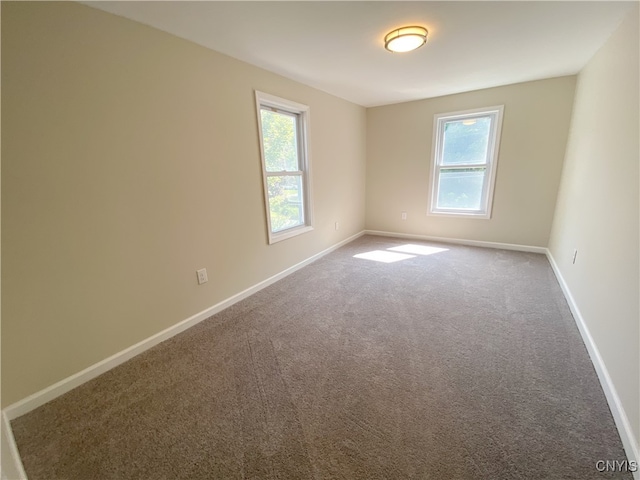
[280, 141]
[285, 201]
[461, 188]
[466, 141]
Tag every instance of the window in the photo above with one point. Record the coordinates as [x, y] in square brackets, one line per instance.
[464, 164]
[282, 126]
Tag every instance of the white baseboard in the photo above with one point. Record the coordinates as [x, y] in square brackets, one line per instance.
[14, 471]
[615, 405]
[620, 417]
[37, 399]
[473, 243]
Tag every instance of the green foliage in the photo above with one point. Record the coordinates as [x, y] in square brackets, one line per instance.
[285, 202]
[281, 155]
[466, 143]
[461, 188]
[280, 142]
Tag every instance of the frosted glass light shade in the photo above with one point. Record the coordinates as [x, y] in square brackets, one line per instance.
[405, 39]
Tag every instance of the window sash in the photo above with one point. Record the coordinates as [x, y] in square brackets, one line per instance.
[465, 121]
[297, 122]
[275, 230]
[489, 165]
[481, 194]
[290, 212]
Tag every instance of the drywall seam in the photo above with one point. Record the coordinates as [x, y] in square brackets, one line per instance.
[37, 399]
[615, 405]
[473, 243]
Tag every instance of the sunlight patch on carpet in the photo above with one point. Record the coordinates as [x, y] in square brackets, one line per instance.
[418, 249]
[384, 257]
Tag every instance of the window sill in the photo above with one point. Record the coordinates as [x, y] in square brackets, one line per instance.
[453, 214]
[291, 232]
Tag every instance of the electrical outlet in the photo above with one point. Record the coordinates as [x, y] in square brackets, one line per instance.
[337, 225]
[202, 276]
[575, 254]
[404, 215]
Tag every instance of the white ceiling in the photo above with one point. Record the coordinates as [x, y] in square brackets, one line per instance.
[338, 46]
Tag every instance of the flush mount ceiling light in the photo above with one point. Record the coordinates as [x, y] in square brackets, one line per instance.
[405, 39]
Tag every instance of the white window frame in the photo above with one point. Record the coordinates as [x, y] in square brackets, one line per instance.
[301, 112]
[491, 164]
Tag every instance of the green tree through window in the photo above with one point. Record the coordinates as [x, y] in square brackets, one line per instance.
[279, 134]
[464, 162]
[285, 165]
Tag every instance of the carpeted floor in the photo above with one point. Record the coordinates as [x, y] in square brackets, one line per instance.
[463, 363]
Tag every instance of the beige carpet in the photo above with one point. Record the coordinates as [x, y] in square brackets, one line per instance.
[459, 364]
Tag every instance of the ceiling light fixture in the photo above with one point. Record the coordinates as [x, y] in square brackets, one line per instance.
[405, 39]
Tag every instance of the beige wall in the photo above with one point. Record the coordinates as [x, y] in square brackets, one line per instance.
[598, 210]
[534, 134]
[130, 159]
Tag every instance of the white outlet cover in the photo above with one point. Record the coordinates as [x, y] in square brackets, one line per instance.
[202, 276]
